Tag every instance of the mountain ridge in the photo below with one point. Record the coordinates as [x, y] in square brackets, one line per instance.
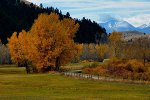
[121, 25]
[144, 26]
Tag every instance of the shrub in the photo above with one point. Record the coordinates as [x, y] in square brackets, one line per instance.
[87, 70]
[100, 70]
[135, 66]
[127, 69]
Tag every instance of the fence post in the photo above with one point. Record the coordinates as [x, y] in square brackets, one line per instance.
[79, 75]
[90, 76]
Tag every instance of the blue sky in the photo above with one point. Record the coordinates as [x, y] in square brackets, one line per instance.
[136, 12]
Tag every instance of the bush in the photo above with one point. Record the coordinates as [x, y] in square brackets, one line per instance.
[135, 66]
[126, 69]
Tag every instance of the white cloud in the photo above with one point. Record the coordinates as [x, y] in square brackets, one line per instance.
[135, 12]
[94, 3]
[139, 19]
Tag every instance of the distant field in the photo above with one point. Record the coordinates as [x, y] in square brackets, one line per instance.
[16, 85]
[76, 66]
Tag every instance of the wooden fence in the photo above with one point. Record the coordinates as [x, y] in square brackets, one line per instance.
[98, 77]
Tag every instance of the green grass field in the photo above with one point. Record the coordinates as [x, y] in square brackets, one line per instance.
[15, 84]
[78, 66]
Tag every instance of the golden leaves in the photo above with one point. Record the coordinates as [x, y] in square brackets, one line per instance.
[48, 39]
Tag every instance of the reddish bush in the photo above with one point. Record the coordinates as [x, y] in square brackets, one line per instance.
[127, 69]
[88, 70]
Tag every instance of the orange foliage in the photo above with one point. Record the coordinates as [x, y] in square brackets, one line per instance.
[77, 53]
[128, 69]
[102, 51]
[48, 44]
[115, 40]
[115, 36]
[18, 47]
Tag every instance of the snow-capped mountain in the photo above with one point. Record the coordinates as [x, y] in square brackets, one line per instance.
[117, 25]
[144, 28]
[121, 25]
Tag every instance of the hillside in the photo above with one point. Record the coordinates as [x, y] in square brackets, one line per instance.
[25, 1]
[16, 15]
[128, 35]
[144, 28]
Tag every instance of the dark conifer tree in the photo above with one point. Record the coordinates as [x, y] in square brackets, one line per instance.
[16, 15]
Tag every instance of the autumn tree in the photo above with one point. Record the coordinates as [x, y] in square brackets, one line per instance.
[130, 51]
[77, 53]
[102, 50]
[14, 48]
[51, 41]
[115, 43]
[18, 49]
[4, 54]
[139, 49]
[89, 52]
[94, 52]
[144, 47]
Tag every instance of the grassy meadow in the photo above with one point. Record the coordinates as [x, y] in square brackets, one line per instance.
[15, 84]
[77, 66]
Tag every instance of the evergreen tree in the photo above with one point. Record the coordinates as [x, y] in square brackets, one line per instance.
[15, 17]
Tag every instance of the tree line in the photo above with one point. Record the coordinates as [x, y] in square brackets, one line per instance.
[125, 59]
[16, 15]
[138, 48]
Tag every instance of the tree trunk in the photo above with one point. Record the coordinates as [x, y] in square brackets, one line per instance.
[144, 59]
[27, 67]
[57, 64]
[115, 53]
